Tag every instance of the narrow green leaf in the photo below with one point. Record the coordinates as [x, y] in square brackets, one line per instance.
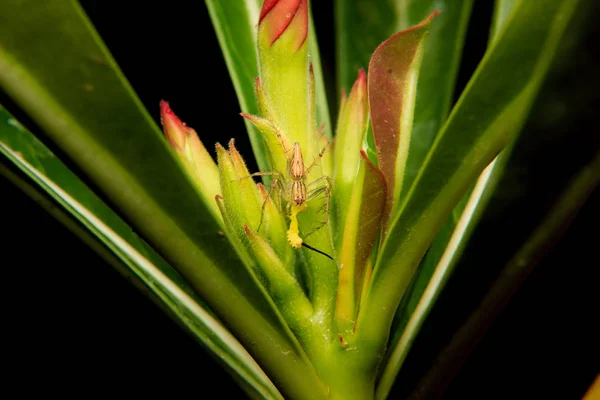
[352, 126]
[322, 105]
[363, 24]
[86, 106]
[392, 81]
[274, 140]
[193, 154]
[492, 108]
[235, 25]
[98, 226]
[502, 10]
[514, 273]
[436, 269]
[437, 77]
[364, 218]
[443, 254]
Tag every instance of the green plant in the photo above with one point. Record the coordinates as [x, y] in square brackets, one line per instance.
[148, 182]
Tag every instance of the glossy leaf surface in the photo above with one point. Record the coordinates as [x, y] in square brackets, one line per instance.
[363, 24]
[392, 82]
[492, 108]
[124, 153]
[444, 253]
[83, 212]
[364, 218]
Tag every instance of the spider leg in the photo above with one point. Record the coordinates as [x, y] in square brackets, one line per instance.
[273, 173]
[316, 160]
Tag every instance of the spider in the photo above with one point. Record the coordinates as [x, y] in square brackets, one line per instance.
[294, 189]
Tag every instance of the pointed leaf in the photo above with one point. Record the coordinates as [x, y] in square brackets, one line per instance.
[350, 132]
[437, 77]
[444, 253]
[511, 277]
[85, 214]
[364, 217]
[276, 143]
[392, 76]
[490, 111]
[198, 162]
[502, 10]
[363, 24]
[235, 25]
[124, 153]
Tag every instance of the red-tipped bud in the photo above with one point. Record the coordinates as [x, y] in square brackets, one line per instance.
[359, 89]
[284, 90]
[351, 131]
[278, 15]
[198, 162]
[175, 130]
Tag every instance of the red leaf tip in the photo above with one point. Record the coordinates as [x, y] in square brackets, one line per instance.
[267, 6]
[175, 130]
[362, 76]
[280, 14]
[164, 107]
[359, 89]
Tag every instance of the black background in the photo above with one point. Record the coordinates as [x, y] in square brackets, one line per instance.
[77, 328]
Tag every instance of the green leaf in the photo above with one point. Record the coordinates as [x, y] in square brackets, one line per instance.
[436, 268]
[235, 24]
[322, 105]
[364, 218]
[282, 285]
[351, 129]
[488, 114]
[513, 274]
[87, 107]
[437, 76]
[86, 215]
[502, 10]
[445, 251]
[363, 24]
[392, 80]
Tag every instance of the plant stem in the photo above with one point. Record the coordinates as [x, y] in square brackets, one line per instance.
[346, 373]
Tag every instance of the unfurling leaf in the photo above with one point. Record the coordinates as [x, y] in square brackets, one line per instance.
[351, 129]
[364, 217]
[198, 162]
[393, 75]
